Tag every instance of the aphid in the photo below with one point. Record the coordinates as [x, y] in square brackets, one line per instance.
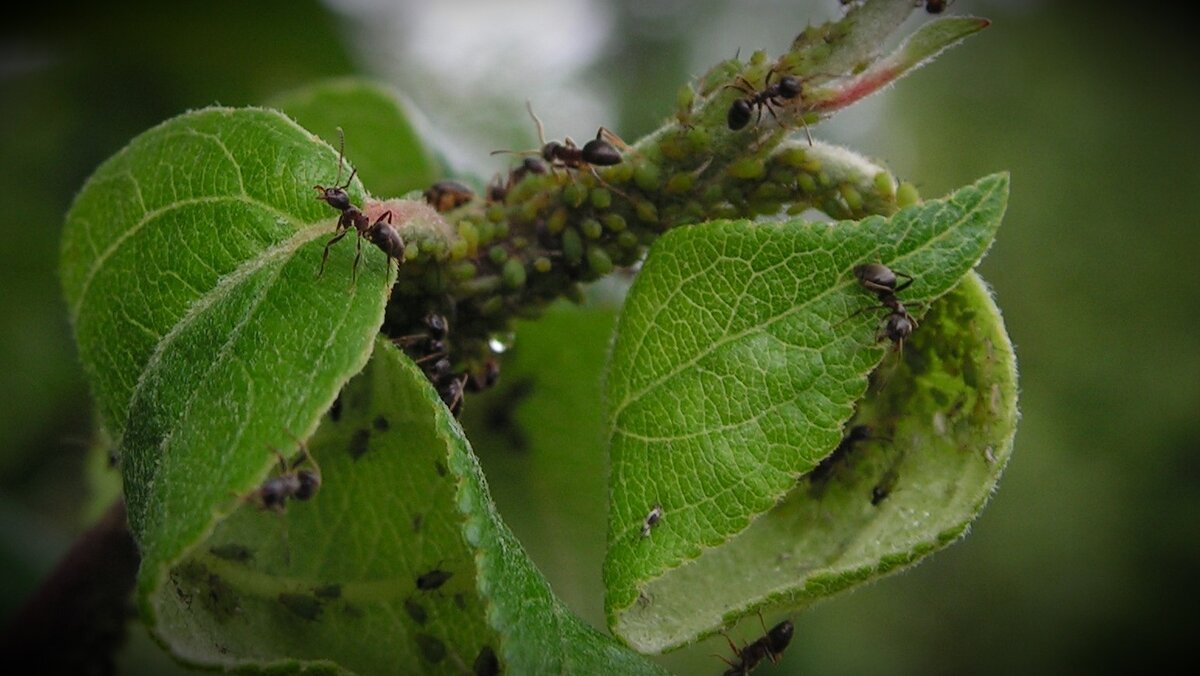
[381, 233]
[290, 483]
[486, 663]
[448, 195]
[883, 282]
[651, 520]
[433, 579]
[770, 646]
[416, 611]
[432, 648]
[884, 488]
[599, 152]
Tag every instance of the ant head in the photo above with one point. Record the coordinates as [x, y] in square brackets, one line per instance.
[601, 153]
[551, 150]
[790, 86]
[899, 326]
[309, 481]
[780, 636]
[336, 196]
[438, 326]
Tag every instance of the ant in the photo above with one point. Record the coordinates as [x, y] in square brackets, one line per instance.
[880, 280]
[451, 393]
[770, 646]
[498, 189]
[433, 357]
[448, 195]
[301, 485]
[381, 233]
[599, 152]
[786, 88]
[434, 338]
[936, 6]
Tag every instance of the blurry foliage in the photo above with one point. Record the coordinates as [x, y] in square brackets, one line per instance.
[1082, 561]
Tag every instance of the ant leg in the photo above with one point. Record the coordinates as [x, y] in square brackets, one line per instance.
[608, 185]
[325, 254]
[357, 257]
[435, 355]
[743, 85]
[905, 285]
[862, 310]
[283, 465]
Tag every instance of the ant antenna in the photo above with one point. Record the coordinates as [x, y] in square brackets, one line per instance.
[538, 122]
[341, 162]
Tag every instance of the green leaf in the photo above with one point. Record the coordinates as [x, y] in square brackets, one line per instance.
[190, 268]
[332, 583]
[189, 220]
[917, 50]
[739, 357]
[390, 157]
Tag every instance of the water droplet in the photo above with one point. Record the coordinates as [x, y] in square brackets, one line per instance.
[501, 342]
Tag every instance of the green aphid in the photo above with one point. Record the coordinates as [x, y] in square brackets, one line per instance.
[513, 274]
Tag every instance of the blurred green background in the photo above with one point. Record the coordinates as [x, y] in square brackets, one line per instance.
[1083, 561]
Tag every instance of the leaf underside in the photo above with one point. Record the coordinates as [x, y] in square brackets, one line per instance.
[739, 359]
[336, 581]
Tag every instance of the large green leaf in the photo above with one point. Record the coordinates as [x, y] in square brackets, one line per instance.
[334, 581]
[739, 358]
[190, 265]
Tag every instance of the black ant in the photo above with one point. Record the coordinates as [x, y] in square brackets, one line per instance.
[301, 485]
[880, 280]
[786, 88]
[434, 338]
[433, 358]
[498, 189]
[598, 152]
[381, 233]
[452, 393]
[448, 195]
[770, 646]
